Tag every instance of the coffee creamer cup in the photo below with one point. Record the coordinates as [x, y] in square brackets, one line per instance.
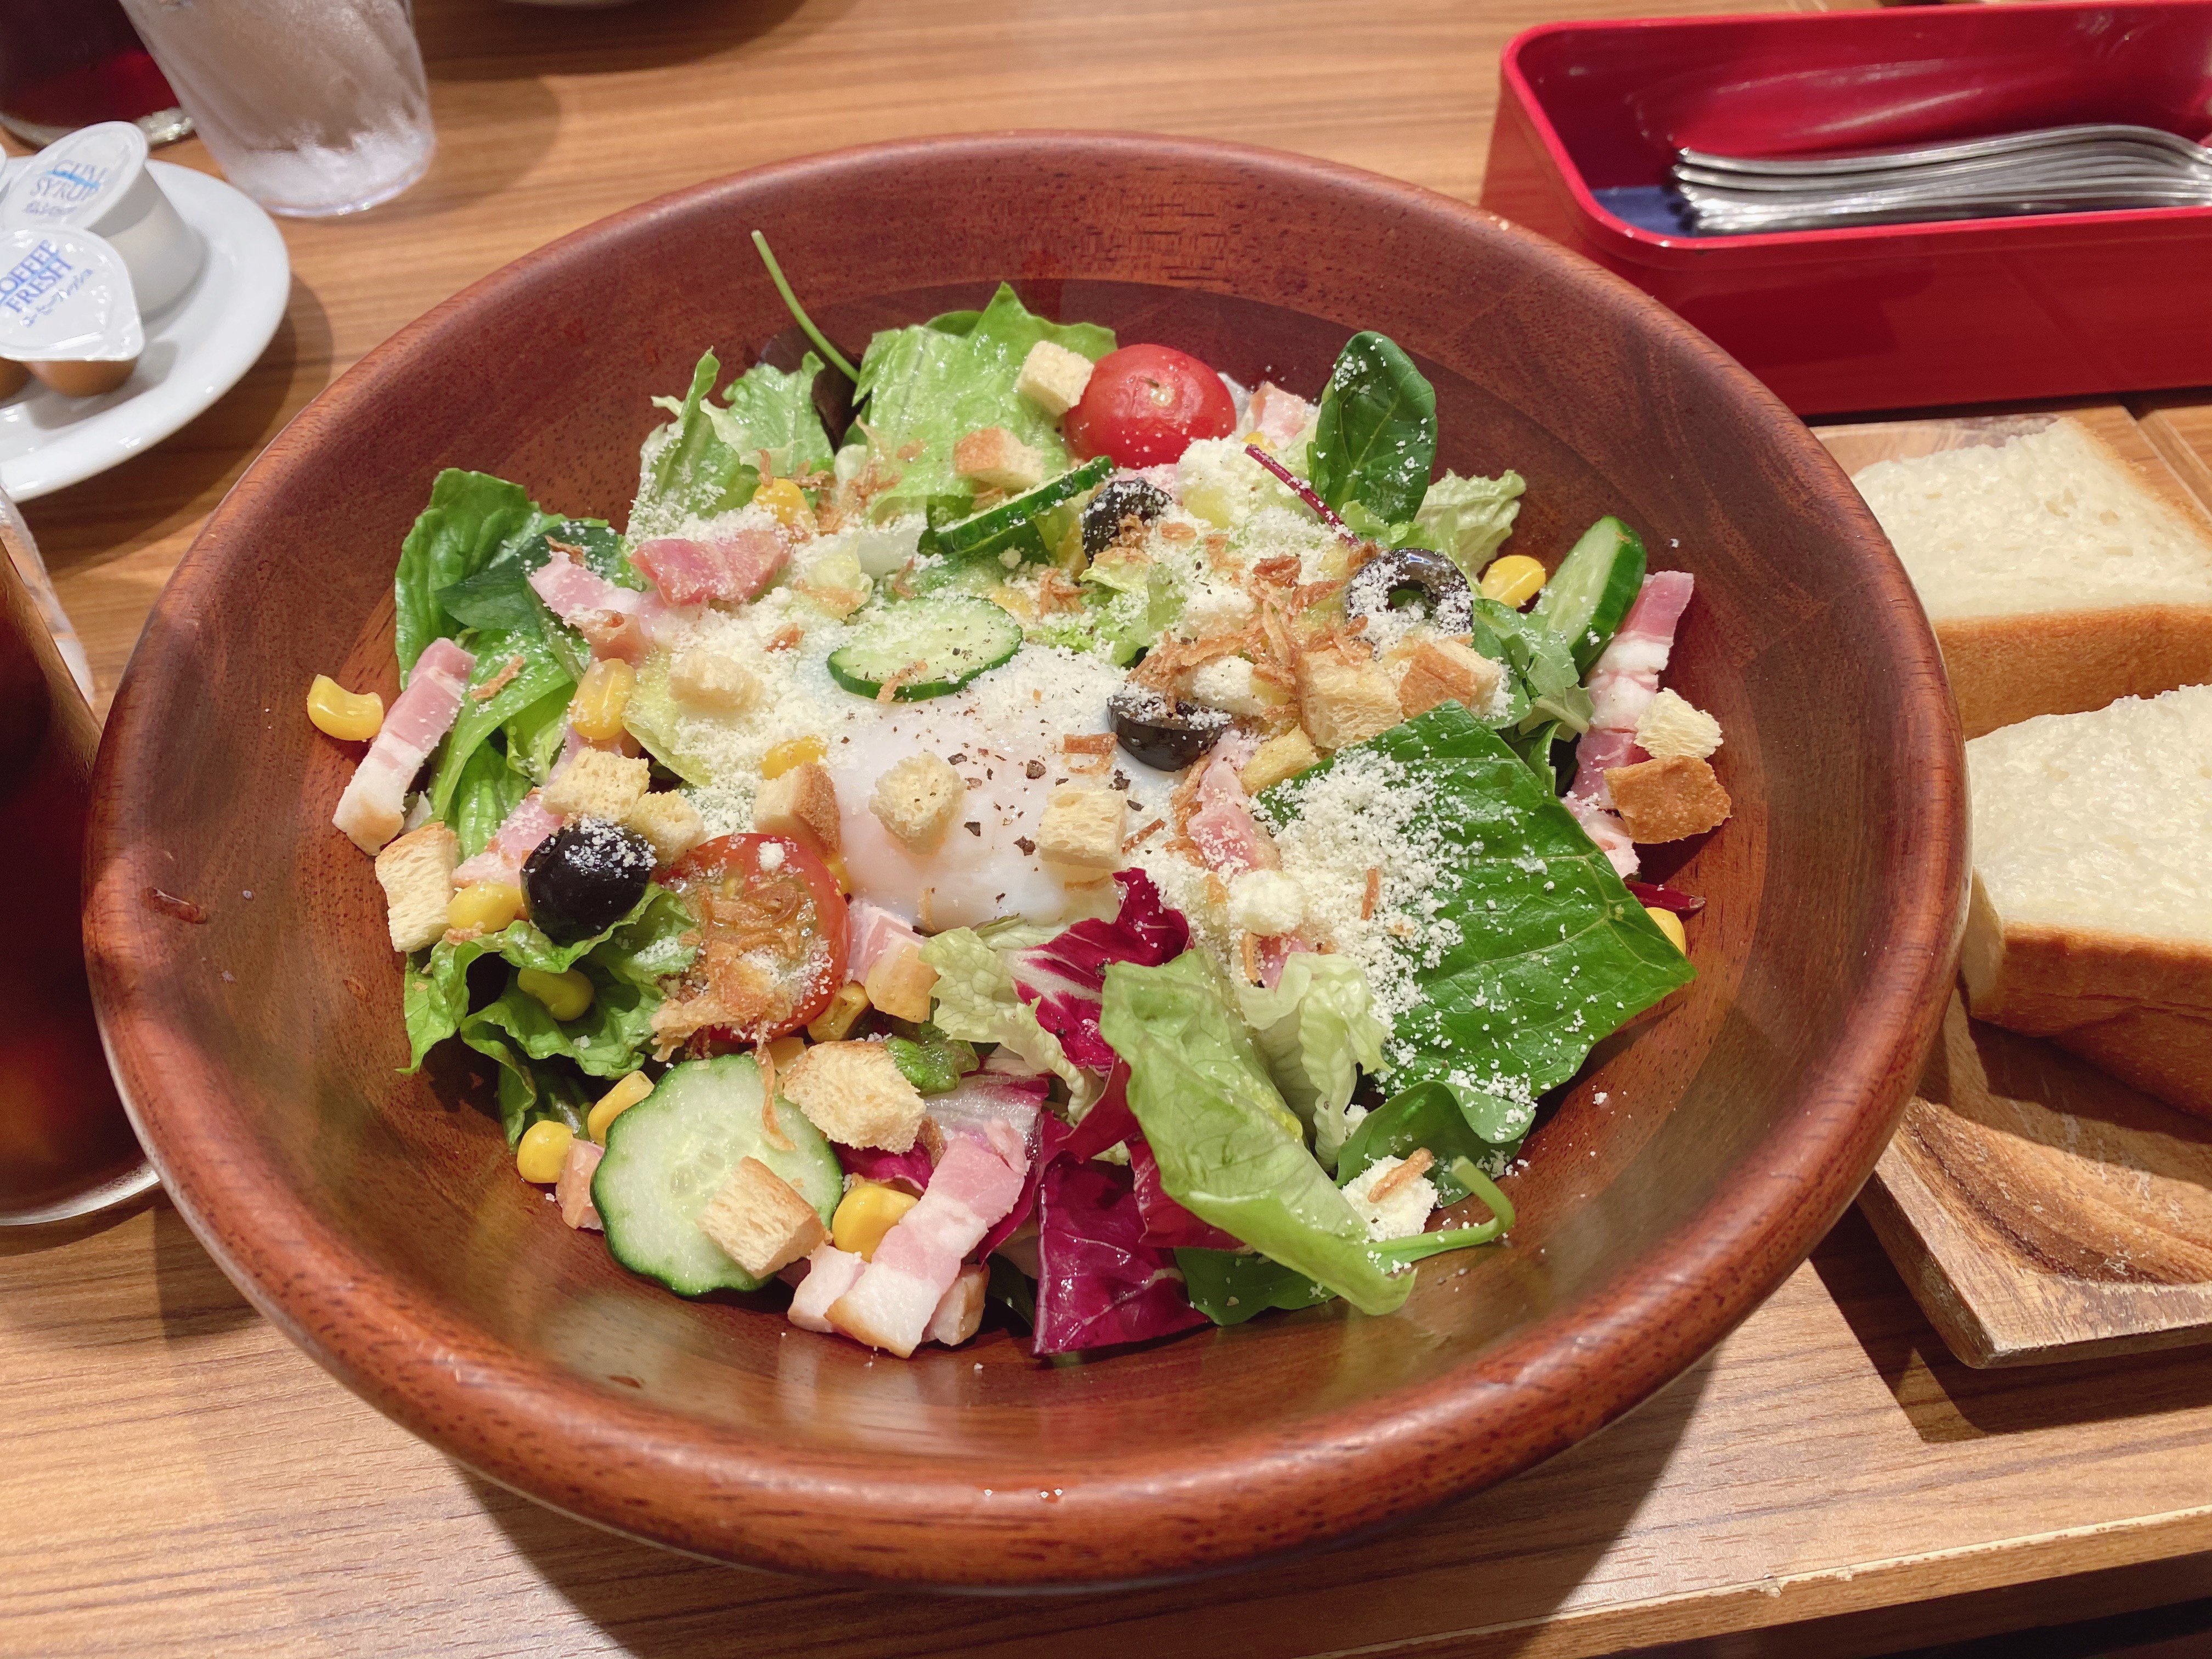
[67, 311]
[96, 179]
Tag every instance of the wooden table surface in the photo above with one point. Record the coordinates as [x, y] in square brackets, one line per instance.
[180, 1480]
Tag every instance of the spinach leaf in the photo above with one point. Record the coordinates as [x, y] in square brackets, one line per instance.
[473, 521]
[770, 421]
[1551, 952]
[923, 388]
[1229, 1150]
[688, 470]
[933, 1062]
[498, 596]
[1375, 434]
[1230, 1286]
[1455, 1125]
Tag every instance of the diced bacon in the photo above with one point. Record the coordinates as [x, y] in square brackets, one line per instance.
[830, 1272]
[374, 803]
[960, 1310]
[1228, 837]
[1621, 683]
[731, 568]
[1272, 955]
[1276, 414]
[873, 932]
[896, 1295]
[980, 1101]
[571, 592]
[514, 841]
[574, 1189]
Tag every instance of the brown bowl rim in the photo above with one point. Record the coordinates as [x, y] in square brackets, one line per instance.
[668, 1480]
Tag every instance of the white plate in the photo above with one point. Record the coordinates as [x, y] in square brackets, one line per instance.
[196, 350]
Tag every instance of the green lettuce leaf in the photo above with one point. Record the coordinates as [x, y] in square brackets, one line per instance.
[688, 470]
[472, 520]
[1467, 520]
[930, 385]
[1317, 1028]
[539, 677]
[1229, 1150]
[1375, 433]
[483, 793]
[1542, 684]
[933, 1062]
[1230, 1286]
[608, 1040]
[769, 419]
[1455, 1125]
[974, 1000]
[1553, 953]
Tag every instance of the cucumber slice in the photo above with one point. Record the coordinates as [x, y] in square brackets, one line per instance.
[1589, 594]
[668, 1155]
[1001, 527]
[928, 645]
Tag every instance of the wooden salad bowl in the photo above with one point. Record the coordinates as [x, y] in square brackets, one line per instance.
[252, 1005]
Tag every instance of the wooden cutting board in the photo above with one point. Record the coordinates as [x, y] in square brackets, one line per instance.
[2039, 1210]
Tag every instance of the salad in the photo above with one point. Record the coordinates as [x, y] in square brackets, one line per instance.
[1073, 835]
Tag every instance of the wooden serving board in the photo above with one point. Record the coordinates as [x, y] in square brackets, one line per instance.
[2039, 1210]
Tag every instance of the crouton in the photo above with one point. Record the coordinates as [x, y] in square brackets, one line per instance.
[899, 983]
[671, 823]
[1080, 831]
[1444, 671]
[598, 783]
[1052, 377]
[959, 1313]
[995, 456]
[760, 1220]
[854, 1093]
[712, 683]
[1283, 755]
[1341, 704]
[416, 874]
[1667, 798]
[800, 803]
[917, 801]
[1673, 727]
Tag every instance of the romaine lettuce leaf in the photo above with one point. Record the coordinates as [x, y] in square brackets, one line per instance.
[1318, 1029]
[471, 521]
[1553, 952]
[1467, 520]
[687, 470]
[1229, 1150]
[486, 790]
[974, 1000]
[769, 419]
[930, 386]
[1098, 1283]
[538, 676]
[608, 1040]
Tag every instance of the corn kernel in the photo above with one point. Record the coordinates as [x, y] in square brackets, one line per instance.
[786, 502]
[613, 1104]
[566, 995]
[338, 713]
[484, 907]
[1514, 579]
[835, 864]
[1670, 923]
[544, 1150]
[794, 752]
[866, 1214]
[783, 1054]
[843, 1012]
[602, 699]
[1258, 441]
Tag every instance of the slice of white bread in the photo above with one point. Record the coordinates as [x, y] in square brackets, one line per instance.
[2091, 921]
[2056, 578]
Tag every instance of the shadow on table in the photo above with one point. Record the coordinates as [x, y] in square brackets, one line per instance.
[1494, 1561]
[1947, 1402]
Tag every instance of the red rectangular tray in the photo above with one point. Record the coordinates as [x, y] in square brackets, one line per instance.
[1887, 316]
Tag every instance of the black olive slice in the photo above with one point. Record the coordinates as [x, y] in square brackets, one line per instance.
[1375, 584]
[1164, 733]
[1117, 500]
[586, 877]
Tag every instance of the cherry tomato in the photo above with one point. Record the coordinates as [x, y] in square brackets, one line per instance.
[772, 933]
[1144, 404]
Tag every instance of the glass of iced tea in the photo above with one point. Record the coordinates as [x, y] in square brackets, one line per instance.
[68, 64]
[66, 1148]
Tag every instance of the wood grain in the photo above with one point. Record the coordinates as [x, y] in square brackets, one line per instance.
[185, 1480]
[2043, 1211]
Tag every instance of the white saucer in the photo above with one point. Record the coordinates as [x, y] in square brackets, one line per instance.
[196, 350]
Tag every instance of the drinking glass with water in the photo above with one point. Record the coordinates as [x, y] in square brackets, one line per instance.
[312, 106]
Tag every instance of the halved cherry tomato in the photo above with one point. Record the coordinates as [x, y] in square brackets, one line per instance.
[1144, 404]
[772, 932]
